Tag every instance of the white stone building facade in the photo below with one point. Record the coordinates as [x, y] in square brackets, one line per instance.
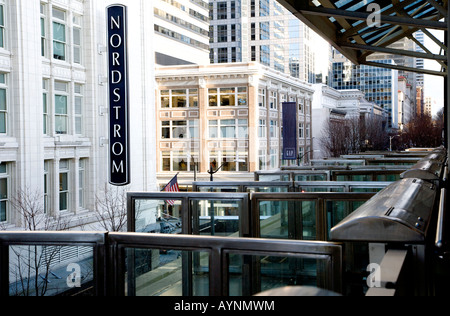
[54, 97]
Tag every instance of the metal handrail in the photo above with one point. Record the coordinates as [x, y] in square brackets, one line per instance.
[441, 218]
[248, 214]
[109, 257]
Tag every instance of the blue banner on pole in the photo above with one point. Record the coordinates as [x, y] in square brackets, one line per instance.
[290, 131]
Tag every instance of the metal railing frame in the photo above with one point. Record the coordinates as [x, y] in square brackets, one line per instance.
[321, 213]
[110, 259]
[249, 214]
[189, 213]
[289, 186]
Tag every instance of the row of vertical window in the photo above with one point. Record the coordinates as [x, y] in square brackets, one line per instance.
[61, 34]
[64, 188]
[62, 107]
[181, 161]
[188, 98]
[62, 113]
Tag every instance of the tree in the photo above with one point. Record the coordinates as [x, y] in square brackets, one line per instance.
[31, 265]
[334, 138]
[425, 132]
[352, 135]
[111, 209]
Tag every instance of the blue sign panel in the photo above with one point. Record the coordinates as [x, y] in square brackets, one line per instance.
[119, 165]
[290, 131]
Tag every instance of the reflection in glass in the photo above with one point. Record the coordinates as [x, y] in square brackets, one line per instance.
[166, 272]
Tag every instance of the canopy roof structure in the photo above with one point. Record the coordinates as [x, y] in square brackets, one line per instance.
[360, 28]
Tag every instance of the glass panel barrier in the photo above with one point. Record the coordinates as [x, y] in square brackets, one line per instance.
[39, 270]
[135, 264]
[52, 264]
[337, 211]
[337, 187]
[218, 188]
[230, 187]
[158, 216]
[271, 271]
[302, 216]
[222, 214]
[216, 217]
[166, 272]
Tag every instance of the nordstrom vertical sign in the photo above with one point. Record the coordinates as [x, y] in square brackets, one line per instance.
[118, 96]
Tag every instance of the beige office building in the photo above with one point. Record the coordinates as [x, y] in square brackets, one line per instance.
[227, 115]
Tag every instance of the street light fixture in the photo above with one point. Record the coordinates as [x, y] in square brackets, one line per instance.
[390, 141]
[301, 158]
[212, 172]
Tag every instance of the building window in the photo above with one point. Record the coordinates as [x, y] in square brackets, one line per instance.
[274, 158]
[228, 96]
[222, 33]
[273, 129]
[177, 161]
[45, 106]
[4, 198]
[262, 131]
[81, 183]
[265, 55]
[222, 9]
[3, 105]
[2, 26]
[179, 129]
[228, 129]
[64, 169]
[59, 34]
[184, 98]
[273, 100]
[43, 31]
[264, 8]
[77, 39]
[262, 98]
[61, 108]
[262, 160]
[222, 55]
[78, 105]
[46, 186]
[264, 31]
[230, 161]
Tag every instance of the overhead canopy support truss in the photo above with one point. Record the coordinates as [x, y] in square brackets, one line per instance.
[349, 26]
[361, 28]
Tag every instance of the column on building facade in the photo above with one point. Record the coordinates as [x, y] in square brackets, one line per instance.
[253, 124]
[26, 90]
[268, 121]
[203, 104]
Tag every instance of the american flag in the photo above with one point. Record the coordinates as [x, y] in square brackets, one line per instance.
[172, 186]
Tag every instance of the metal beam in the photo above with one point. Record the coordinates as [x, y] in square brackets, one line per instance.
[354, 30]
[353, 15]
[403, 68]
[438, 7]
[393, 51]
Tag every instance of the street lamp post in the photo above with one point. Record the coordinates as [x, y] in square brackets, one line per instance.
[301, 158]
[212, 172]
[390, 141]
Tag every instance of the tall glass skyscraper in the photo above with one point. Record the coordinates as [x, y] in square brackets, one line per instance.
[261, 31]
[379, 85]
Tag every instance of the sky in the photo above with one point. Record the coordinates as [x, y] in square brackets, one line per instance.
[434, 85]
